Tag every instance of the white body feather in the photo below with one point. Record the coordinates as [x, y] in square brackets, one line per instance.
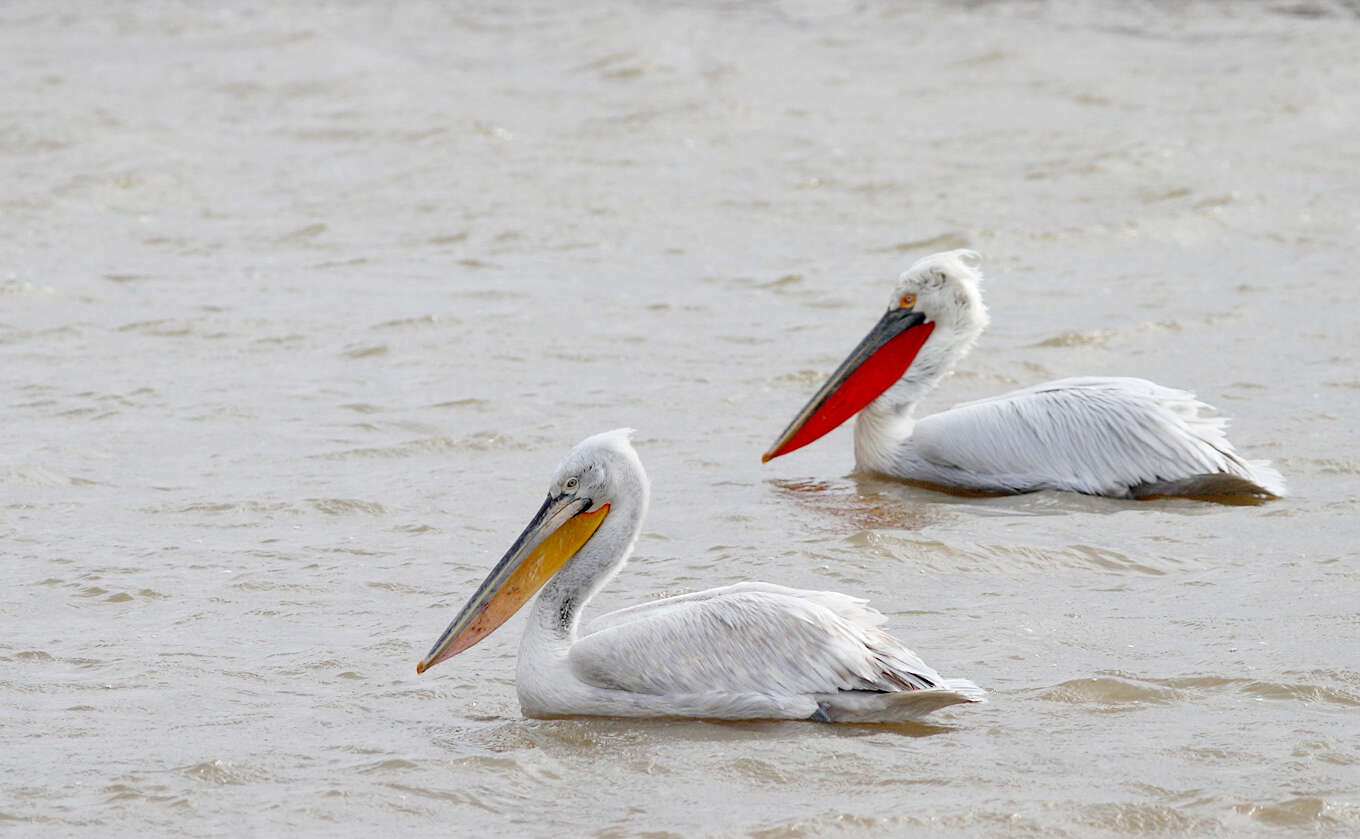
[746, 651]
[1121, 437]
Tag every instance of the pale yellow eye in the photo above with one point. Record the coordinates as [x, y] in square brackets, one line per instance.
[907, 301]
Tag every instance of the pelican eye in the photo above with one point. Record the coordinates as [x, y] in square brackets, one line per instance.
[571, 484]
[907, 301]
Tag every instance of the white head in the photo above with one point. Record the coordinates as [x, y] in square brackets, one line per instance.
[602, 469]
[946, 288]
[583, 532]
[934, 317]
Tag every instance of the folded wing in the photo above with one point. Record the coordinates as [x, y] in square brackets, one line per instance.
[748, 638]
[1108, 436]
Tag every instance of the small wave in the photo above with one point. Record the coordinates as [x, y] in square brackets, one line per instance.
[346, 506]
[1297, 812]
[469, 402]
[501, 738]
[952, 240]
[448, 238]
[1311, 687]
[1111, 691]
[482, 441]
[362, 408]
[454, 796]
[365, 351]
[802, 379]
[1101, 337]
[478, 264]
[35, 476]
[489, 294]
[354, 262]
[303, 233]
[221, 773]
[399, 588]
[1094, 338]
[1142, 818]
[159, 328]
[759, 771]
[416, 528]
[141, 792]
[1338, 466]
[25, 287]
[389, 765]
[418, 322]
[1296, 692]
[251, 507]
[281, 339]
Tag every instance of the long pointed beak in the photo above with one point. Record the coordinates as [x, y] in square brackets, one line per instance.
[880, 360]
[555, 534]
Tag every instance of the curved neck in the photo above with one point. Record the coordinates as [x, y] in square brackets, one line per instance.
[557, 611]
[886, 423]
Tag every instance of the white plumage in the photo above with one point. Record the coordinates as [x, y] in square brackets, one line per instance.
[1102, 436]
[745, 651]
[1122, 437]
[756, 650]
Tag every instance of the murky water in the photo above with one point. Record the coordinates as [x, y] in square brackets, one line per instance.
[301, 305]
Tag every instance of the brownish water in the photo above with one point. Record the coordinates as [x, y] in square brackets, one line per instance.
[301, 305]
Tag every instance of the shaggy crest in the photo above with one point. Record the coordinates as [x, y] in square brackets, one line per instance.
[948, 290]
[620, 440]
[934, 270]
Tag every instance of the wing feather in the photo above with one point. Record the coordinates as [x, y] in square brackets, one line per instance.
[748, 638]
[1108, 436]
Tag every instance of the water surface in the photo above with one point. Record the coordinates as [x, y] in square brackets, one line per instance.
[299, 307]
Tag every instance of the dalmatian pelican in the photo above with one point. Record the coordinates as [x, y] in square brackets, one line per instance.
[1119, 437]
[744, 651]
